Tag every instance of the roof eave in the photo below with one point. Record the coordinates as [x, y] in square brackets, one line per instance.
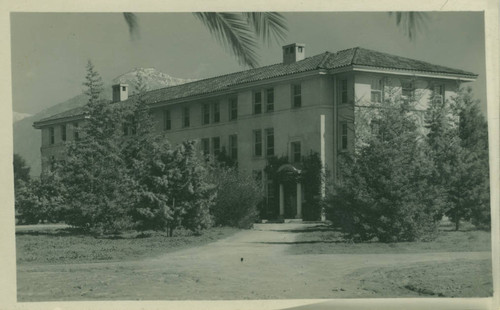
[56, 121]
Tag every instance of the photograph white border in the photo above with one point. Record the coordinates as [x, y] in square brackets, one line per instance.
[7, 227]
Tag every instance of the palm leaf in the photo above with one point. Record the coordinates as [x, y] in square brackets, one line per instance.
[267, 25]
[234, 32]
[133, 26]
[411, 22]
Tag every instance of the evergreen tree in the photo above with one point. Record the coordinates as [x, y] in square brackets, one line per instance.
[21, 171]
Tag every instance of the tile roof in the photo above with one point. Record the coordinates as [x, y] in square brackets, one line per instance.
[327, 61]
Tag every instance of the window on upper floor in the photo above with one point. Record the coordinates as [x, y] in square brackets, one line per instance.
[257, 143]
[205, 146]
[269, 99]
[438, 93]
[167, 120]
[377, 90]
[270, 142]
[343, 91]
[257, 102]
[63, 132]
[343, 136]
[186, 117]
[233, 147]
[296, 95]
[233, 108]
[296, 152]
[205, 119]
[216, 109]
[52, 136]
[76, 133]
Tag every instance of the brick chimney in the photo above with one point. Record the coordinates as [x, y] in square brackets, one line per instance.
[120, 92]
[293, 52]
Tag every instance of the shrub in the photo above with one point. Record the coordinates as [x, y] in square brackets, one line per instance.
[238, 196]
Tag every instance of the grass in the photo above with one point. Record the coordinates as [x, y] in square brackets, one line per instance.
[323, 239]
[461, 278]
[67, 245]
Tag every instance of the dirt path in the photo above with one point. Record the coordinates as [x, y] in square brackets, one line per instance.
[251, 264]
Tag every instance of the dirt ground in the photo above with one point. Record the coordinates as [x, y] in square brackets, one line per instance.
[253, 264]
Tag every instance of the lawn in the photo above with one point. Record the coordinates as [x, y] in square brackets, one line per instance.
[322, 239]
[35, 245]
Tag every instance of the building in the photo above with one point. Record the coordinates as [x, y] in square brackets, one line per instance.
[301, 105]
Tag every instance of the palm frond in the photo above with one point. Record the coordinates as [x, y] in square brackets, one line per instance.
[133, 25]
[268, 26]
[410, 22]
[234, 32]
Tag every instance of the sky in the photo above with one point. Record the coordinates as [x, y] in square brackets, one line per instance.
[50, 50]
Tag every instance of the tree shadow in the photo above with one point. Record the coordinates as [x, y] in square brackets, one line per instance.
[60, 232]
[304, 242]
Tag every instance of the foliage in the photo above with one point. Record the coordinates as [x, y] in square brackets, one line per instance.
[21, 171]
[384, 189]
[238, 196]
[460, 149]
[40, 199]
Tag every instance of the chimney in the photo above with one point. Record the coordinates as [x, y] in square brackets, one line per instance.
[293, 52]
[120, 92]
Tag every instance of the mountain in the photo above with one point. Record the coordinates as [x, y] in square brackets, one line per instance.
[27, 141]
[16, 116]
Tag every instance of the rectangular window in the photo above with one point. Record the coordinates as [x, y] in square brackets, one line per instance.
[76, 134]
[205, 114]
[63, 132]
[296, 153]
[257, 142]
[205, 146]
[233, 147]
[257, 175]
[233, 108]
[377, 91]
[343, 91]
[216, 112]
[407, 89]
[167, 120]
[270, 99]
[269, 142]
[438, 93]
[343, 137]
[185, 117]
[297, 96]
[257, 102]
[52, 137]
[216, 146]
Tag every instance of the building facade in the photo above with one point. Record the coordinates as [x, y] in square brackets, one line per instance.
[299, 106]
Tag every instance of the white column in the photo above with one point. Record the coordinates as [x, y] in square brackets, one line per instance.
[299, 201]
[323, 163]
[282, 202]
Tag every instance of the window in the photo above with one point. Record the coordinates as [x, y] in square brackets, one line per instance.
[123, 88]
[270, 142]
[52, 137]
[233, 147]
[216, 112]
[343, 137]
[375, 127]
[257, 142]
[167, 120]
[407, 89]
[257, 175]
[296, 155]
[216, 146]
[185, 117]
[129, 126]
[270, 99]
[257, 102]
[343, 91]
[76, 134]
[205, 146]
[233, 108]
[297, 96]
[63, 132]
[438, 93]
[206, 114]
[377, 91]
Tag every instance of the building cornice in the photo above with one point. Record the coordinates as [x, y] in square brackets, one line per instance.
[58, 121]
